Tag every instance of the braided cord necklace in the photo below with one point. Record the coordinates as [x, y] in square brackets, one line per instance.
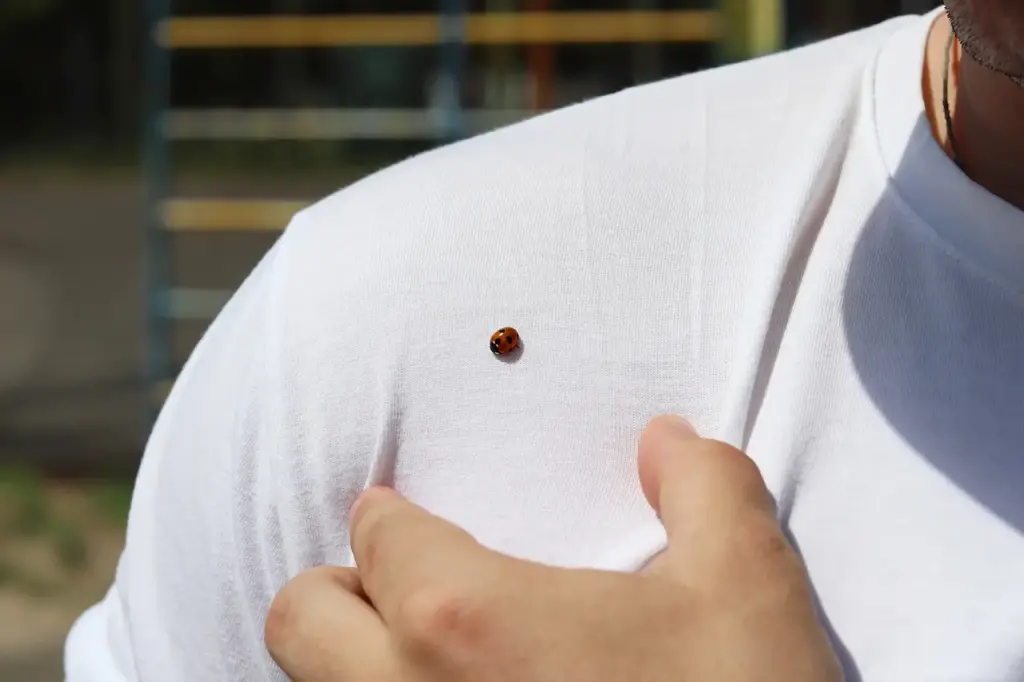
[957, 159]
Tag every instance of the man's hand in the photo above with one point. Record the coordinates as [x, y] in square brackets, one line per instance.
[729, 600]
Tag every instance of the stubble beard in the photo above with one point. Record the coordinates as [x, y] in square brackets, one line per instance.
[974, 45]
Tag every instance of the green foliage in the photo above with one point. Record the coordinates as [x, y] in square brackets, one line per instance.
[69, 545]
[25, 494]
[112, 499]
[26, 512]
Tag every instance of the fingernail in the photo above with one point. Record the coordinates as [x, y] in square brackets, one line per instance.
[372, 490]
[681, 428]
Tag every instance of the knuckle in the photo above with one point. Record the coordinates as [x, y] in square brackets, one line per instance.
[766, 543]
[772, 566]
[441, 621]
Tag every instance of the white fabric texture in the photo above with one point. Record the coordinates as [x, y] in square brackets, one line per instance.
[777, 250]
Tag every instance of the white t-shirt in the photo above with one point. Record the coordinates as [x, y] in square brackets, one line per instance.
[777, 250]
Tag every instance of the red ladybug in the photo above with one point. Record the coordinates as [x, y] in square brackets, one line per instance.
[504, 341]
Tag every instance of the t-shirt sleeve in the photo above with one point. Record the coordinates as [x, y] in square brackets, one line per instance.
[261, 448]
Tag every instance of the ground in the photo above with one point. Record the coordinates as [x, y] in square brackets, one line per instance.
[72, 330]
[60, 543]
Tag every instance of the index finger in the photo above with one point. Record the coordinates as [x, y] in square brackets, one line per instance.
[400, 549]
[320, 629]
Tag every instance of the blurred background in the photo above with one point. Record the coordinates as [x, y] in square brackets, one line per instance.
[152, 150]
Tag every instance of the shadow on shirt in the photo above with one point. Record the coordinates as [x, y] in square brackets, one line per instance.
[940, 351]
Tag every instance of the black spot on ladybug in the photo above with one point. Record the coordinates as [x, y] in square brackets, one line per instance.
[504, 341]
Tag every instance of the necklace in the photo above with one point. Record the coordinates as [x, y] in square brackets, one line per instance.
[957, 159]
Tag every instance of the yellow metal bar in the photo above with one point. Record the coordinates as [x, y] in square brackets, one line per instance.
[508, 28]
[183, 215]
[751, 28]
[767, 26]
[323, 124]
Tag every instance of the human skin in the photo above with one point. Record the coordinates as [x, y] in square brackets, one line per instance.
[315, 612]
[728, 601]
[986, 91]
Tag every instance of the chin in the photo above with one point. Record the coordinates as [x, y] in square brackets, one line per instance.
[991, 32]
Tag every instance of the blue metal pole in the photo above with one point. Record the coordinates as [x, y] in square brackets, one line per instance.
[453, 63]
[156, 166]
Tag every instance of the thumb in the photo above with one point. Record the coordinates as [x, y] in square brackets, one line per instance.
[713, 502]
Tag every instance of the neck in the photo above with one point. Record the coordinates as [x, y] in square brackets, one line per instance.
[988, 118]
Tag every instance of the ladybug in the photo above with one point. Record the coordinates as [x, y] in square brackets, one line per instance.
[504, 341]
